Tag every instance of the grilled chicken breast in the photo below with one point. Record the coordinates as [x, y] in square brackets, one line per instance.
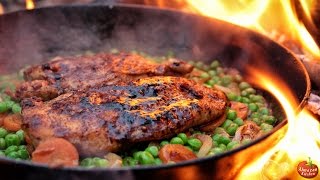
[115, 117]
[62, 75]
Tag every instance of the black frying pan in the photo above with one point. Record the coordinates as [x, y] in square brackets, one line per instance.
[30, 37]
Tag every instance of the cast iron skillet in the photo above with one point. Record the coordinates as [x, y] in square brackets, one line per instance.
[29, 37]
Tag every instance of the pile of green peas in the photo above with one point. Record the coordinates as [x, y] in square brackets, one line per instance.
[12, 145]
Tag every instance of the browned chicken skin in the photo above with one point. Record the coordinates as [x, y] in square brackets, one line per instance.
[112, 118]
[62, 75]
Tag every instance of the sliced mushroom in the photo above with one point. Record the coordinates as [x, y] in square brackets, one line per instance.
[175, 153]
[249, 130]
[241, 109]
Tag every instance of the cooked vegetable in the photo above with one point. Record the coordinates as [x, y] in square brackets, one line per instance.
[194, 143]
[175, 153]
[56, 152]
[12, 122]
[12, 139]
[206, 144]
[146, 158]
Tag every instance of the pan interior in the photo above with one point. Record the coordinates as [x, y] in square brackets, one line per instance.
[31, 37]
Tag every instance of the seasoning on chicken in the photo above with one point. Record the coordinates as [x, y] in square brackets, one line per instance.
[62, 75]
[113, 118]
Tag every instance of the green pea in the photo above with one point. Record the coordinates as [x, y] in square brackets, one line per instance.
[16, 108]
[224, 140]
[265, 126]
[146, 158]
[184, 137]
[238, 98]
[270, 120]
[257, 98]
[264, 111]
[13, 155]
[176, 140]
[255, 115]
[232, 114]
[257, 121]
[199, 65]
[238, 121]
[245, 100]
[232, 129]
[216, 137]
[232, 96]
[210, 82]
[2, 143]
[3, 107]
[250, 90]
[226, 80]
[130, 161]
[86, 162]
[216, 150]
[153, 150]
[20, 134]
[10, 104]
[2, 153]
[216, 79]
[195, 144]
[164, 142]
[23, 154]
[157, 161]
[12, 139]
[212, 73]
[99, 162]
[267, 130]
[214, 64]
[11, 149]
[223, 146]
[22, 147]
[137, 154]
[232, 144]
[253, 107]
[244, 85]
[226, 123]
[244, 93]
[3, 132]
[204, 75]
[215, 143]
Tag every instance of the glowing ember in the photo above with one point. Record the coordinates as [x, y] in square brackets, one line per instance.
[30, 4]
[301, 139]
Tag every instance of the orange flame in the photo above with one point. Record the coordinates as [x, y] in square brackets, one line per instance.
[266, 16]
[30, 4]
[301, 140]
[1, 9]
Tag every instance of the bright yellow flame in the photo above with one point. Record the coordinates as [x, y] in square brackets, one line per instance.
[263, 16]
[301, 140]
[30, 4]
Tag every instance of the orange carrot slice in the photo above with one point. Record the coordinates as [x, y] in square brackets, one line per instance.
[56, 152]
